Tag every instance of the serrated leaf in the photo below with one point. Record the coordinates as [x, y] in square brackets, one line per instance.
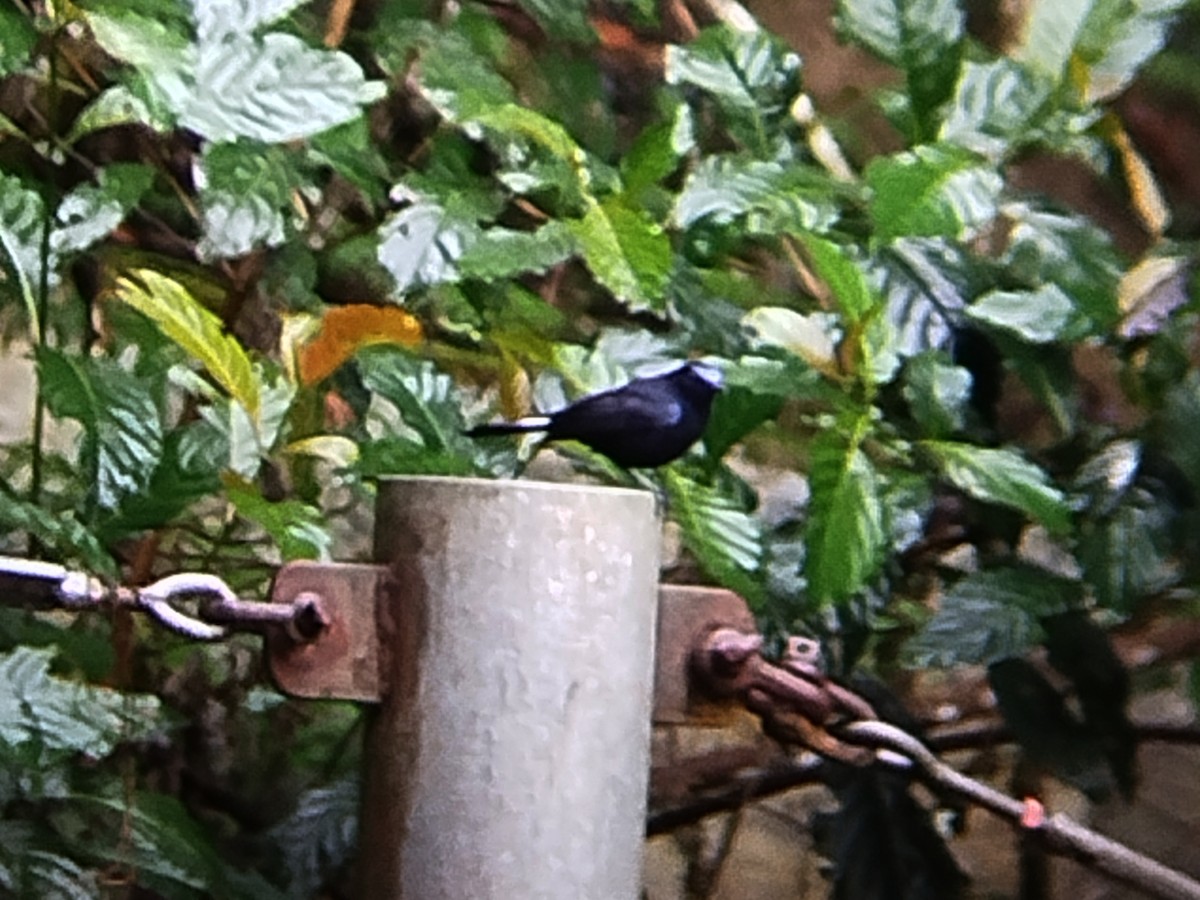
[994, 107]
[659, 149]
[845, 534]
[626, 252]
[320, 836]
[172, 308]
[747, 69]
[1039, 316]
[1003, 477]
[501, 253]
[726, 541]
[273, 89]
[21, 216]
[909, 34]
[938, 393]
[116, 105]
[988, 616]
[57, 531]
[123, 439]
[92, 211]
[456, 80]
[771, 196]
[1117, 39]
[217, 19]
[246, 198]
[924, 282]
[935, 190]
[1068, 251]
[1050, 32]
[168, 846]
[1127, 554]
[841, 275]
[65, 715]
[513, 120]
[421, 245]
[426, 398]
[298, 529]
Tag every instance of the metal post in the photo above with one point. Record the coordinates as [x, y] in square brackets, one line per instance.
[510, 754]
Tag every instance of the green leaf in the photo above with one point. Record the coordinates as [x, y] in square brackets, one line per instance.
[1050, 32]
[18, 37]
[58, 532]
[994, 107]
[771, 196]
[1003, 477]
[427, 399]
[562, 18]
[923, 282]
[218, 19]
[458, 81]
[65, 715]
[813, 337]
[844, 278]
[725, 540]
[501, 253]
[298, 529]
[320, 836]
[751, 70]
[626, 252]
[519, 121]
[123, 436]
[284, 89]
[658, 150]
[1119, 38]
[21, 216]
[168, 304]
[246, 198]
[92, 211]
[909, 34]
[421, 245]
[1040, 316]
[988, 616]
[165, 844]
[923, 38]
[400, 456]
[845, 535]
[935, 190]
[938, 393]
[116, 105]
[1127, 555]
[1070, 252]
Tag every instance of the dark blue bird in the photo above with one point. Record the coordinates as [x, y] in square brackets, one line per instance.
[647, 422]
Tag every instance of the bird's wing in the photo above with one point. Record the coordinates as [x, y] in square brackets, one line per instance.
[643, 404]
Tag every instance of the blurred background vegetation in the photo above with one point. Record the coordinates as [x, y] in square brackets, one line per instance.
[256, 254]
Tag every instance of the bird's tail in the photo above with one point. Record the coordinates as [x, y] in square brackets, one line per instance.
[520, 426]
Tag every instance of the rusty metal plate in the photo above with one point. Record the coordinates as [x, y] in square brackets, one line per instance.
[686, 614]
[342, 662]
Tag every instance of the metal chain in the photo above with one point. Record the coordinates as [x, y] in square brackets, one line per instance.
[218, 612]
[798, 705]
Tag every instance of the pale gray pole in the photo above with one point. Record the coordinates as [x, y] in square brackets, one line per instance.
[510, 754]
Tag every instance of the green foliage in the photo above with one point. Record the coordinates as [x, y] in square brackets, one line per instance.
[254, 272]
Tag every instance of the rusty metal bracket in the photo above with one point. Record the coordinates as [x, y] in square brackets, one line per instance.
[686, 615]
[341, 661]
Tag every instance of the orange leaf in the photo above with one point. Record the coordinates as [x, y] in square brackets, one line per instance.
[345, 329]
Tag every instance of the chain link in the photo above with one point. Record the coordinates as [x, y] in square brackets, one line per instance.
[218, 612]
